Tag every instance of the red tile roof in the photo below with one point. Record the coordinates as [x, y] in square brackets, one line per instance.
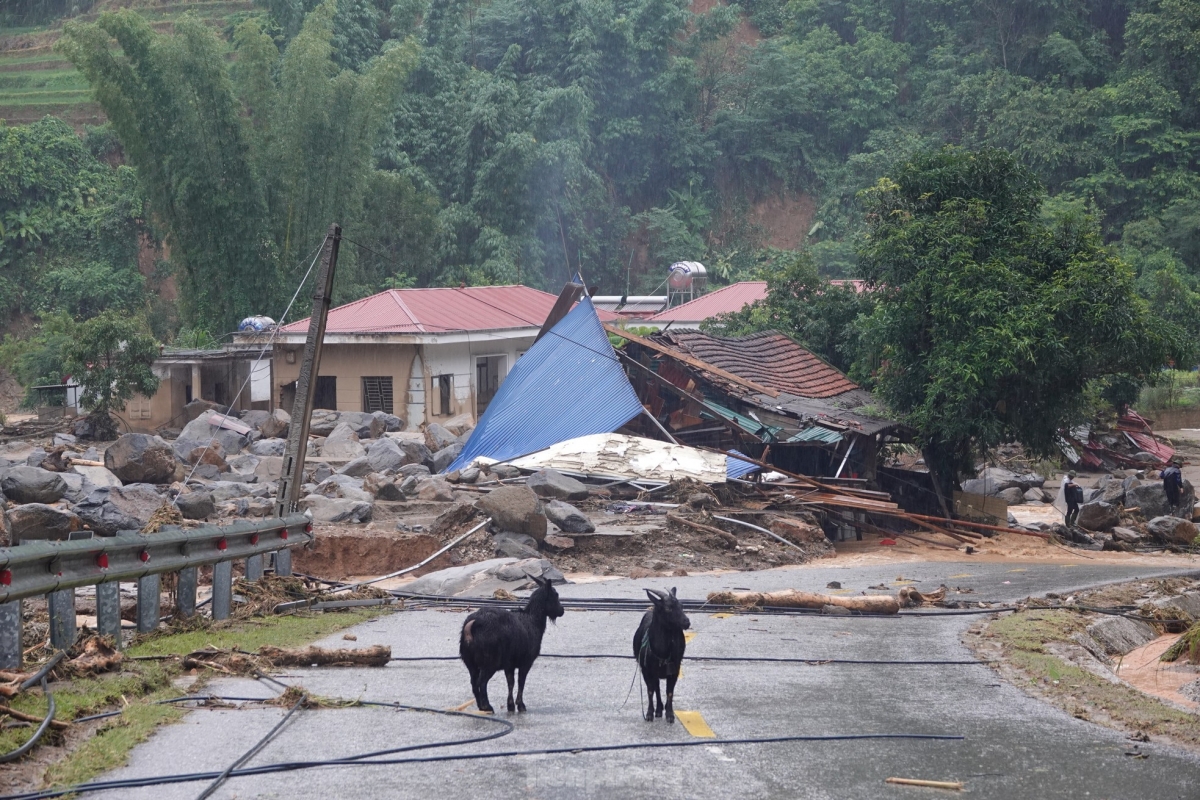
[769, 359]
[445, 310]
[726, 299]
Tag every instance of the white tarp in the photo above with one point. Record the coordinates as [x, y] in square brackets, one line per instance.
[614, 455]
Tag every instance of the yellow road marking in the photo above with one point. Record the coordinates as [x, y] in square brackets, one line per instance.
[841, 591]
[721, 615]
[1021, 569]
[964, 575]
[693, 722]
[688, 636]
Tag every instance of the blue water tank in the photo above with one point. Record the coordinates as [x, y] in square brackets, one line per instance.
[258, 323]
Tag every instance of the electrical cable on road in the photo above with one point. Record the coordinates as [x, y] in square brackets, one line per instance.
[253, 751]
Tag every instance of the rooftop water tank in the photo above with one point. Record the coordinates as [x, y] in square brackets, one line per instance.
[259, 323]
[684, 273]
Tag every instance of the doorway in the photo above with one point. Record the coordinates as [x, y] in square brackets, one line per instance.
[489, 373]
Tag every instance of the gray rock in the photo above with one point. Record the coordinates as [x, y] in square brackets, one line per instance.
[254, 418]
[434, 489]
[391, 423]
[358, 468]
[384, 454]
[443, 458]
[5, 527]
[413, 470]
[408, 486]
[515, 508]
[529, 568]
[553, 484]
[321, 472]
[1035, 496]
[463, 579]
[342, 444]
[32, 485]
[1116, 636]
[36, 458]
[223, 491]
[1114, 489]
[382, 487]
[323, 421]
[1188, 603]
[568, 518]
[77, 487]
[997, 479]
[515, 545]
[329, 509]
[198, 433]
[1127, 535]
[1173, 530]
[469, 475]
[1151, 498]
[63, 438]
[269, 447]
[504, 471]
[364, 425]
[244, 464]
[196, 505]
[96, 476]
[344, 486]
[276, 425]
[1098, 516]
[1013, 495]
[438, 437]
[109, 509]
[141, 458]
[975, 486]
[34, 521]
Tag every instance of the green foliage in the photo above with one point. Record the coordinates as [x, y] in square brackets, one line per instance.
[110, 357]
[38, 359]
[992, 322]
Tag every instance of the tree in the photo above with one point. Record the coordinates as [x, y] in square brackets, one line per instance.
[992, 321]
[110, 358]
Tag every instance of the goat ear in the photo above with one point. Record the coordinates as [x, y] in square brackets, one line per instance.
[673, 592]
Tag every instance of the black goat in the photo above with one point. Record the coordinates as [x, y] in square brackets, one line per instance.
[494, 639]
[658, 646]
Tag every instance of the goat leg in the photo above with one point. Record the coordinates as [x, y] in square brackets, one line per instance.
[674, 676]
[508, 674]
[651, 688]
[481, 698]
[521, 675]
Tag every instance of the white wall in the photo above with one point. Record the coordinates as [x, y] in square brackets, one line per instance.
[458, 359]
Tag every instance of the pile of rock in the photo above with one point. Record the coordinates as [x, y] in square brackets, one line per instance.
[1010, 486]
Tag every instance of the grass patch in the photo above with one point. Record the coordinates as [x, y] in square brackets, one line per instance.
[141, 683]
[1022, 637]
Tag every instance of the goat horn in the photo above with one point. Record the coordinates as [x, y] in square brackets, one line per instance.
[661, 595]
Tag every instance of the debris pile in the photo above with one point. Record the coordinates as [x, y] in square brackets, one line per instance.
[1128, 442]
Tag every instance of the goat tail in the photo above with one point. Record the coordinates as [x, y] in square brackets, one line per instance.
[466, 632]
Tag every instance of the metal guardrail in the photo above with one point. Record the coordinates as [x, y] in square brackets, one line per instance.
[56, 569]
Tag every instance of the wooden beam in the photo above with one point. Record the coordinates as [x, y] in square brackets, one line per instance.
[691, 361]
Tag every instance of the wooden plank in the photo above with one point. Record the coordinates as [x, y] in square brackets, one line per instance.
[690, 361]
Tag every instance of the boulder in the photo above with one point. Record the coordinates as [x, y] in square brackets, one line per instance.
[529, 568]
[503, 471]
[1116, 636]
[199, 433]
[416, 453]
[365, 426]
[1030, 480]
[997, 479]
[1127, 535]
[568, 518]
[197, 407]
[34, 521]
[109, 509]
[269, 468]
[321, 472]
[141, 458]
[35, 458]
[413, 470]
[443, 458]
[328, 509]
[1098, 516]
[32, 485]
[63, 438]
[552, 483]
[254, 418]
[195, 505]
[244, 464]
[358, 468]
[1173, 530]
[385, 454]
[345, 487]
[516, 509]
[1035, 496]
[391, 423]
[276, 425]
[269, 447]
[322, 422]
[208, 454]
[558, 543]
[96, 476]
[223, 491]
[342, 444]
[1013, 495]
[1151, 498]
[435, 489]
[5, 527]
[438, 437]
[515, 545]
[382, 487]
[459, 424]
[77, 487]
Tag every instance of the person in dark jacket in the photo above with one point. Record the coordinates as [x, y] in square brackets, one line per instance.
[1073, 494]
[1172, 478]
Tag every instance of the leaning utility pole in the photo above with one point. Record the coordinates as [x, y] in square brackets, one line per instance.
[292, 476]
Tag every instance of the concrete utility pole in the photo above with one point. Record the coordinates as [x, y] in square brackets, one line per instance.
[292, 477]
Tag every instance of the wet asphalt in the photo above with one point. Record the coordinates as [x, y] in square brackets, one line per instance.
[1012, 746]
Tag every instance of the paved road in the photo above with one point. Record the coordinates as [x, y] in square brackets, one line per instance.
[1014, 746]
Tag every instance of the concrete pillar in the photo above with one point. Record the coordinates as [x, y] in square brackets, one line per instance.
[196, 382]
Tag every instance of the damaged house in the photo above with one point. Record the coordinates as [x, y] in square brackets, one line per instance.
[762, 394]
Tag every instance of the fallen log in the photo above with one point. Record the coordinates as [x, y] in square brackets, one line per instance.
[726, 536]
[376, 656]
[791, 598]
[57, 724]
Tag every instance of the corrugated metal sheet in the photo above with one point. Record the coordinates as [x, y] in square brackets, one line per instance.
[748, 424]
[736, 468]
[443, 310]
[727, 299]
[568, 384]
[817, 434]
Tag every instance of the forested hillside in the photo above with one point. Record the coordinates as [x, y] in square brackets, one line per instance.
[524, 140]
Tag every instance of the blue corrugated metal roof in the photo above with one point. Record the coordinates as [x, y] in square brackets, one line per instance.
[735, 467]
[817, 434]
[568, 384]
[748, 424]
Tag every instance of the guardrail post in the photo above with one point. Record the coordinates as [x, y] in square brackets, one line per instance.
[108, 610]
[62, 618]
[283, 562]
[148, 601]
[222, 589]
[254, 568]
[185, 592]
[10, 635]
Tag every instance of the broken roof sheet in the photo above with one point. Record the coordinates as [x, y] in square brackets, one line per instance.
[727, 299]
[769, 359]
[616, 455]
[568, 384]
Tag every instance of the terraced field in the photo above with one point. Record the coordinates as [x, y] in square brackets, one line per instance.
[36, 81]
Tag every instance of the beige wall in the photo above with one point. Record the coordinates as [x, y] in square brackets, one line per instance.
[165, 408]
[349, 363]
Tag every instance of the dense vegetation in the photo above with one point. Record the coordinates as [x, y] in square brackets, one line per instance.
[522, 140]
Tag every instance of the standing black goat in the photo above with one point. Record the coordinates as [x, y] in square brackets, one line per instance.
[658, 646]
[493, 639]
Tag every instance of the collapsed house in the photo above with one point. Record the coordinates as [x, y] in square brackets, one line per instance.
[1129, 443]
[763, 395]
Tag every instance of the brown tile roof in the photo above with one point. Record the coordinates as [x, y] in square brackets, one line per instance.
[769, 359]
